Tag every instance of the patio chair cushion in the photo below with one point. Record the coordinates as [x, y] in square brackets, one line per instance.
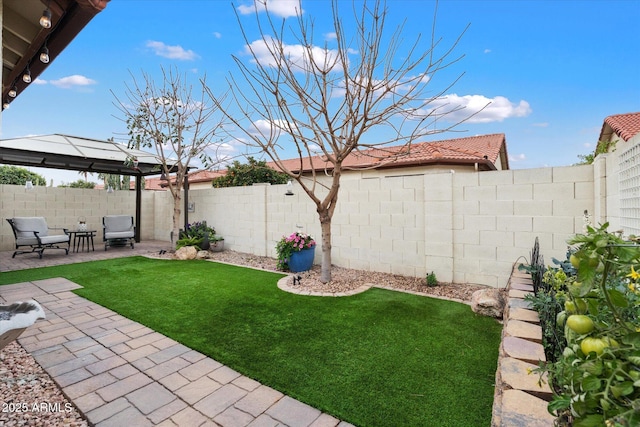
[25, 226]
[118, 227]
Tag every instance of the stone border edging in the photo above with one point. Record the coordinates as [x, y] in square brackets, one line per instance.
[520, 398]
[283, 284]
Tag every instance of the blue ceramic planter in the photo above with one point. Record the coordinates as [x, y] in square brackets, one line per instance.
[302, 260]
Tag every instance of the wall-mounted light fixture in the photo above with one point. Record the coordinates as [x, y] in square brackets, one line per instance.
[289, 188]
[28, 185]
[109, 189]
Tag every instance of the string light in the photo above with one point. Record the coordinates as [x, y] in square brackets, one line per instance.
[44, 55]
[13, 92]
[45, 20]
[26, 77]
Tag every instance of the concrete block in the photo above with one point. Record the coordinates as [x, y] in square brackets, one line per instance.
[532, 176]
[499, 178]
[466, 207]
[479, 252]
[480, 222]
[553, 224]
[571, 207]
[579, 173]
[496, 207]
[496, 238]
[515, 192]
[482, 193]
[533, 208]
[550, 191]
[471, 237]
[514, 223]
[584, 190]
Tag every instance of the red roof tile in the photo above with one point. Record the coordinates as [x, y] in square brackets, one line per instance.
[483, 149]
[626, 125]
[197, 176]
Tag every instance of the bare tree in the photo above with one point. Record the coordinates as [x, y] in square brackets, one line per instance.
[178, 126]
[325, 100]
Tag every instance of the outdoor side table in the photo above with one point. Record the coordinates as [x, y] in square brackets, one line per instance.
[82, 237]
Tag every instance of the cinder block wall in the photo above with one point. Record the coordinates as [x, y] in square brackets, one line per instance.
[465, 227]
[63, 208]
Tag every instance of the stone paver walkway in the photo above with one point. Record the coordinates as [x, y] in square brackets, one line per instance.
[119, 372]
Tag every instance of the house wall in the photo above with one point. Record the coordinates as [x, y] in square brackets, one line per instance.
[464, 226]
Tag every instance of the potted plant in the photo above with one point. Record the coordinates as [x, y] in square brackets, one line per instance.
[216, 243]
[199, 234]
[296, 252]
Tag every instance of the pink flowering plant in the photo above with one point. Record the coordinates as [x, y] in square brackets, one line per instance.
[290, 244]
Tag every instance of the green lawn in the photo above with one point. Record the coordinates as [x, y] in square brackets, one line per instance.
[380, 358]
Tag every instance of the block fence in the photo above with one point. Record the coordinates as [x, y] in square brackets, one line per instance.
[466, 227]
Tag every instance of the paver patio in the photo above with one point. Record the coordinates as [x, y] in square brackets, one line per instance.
[118, 372]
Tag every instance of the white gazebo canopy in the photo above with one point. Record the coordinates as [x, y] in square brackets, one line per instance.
[76, 153]
[84, 154]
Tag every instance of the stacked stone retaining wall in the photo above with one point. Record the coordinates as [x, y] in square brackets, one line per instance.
[521, 395]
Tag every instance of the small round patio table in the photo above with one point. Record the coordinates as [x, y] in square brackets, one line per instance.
[82, 237]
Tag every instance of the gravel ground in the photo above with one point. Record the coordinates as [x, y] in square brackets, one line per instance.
[29, 397]
[343, 279]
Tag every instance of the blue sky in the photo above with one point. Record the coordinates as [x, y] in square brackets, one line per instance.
[552, 70]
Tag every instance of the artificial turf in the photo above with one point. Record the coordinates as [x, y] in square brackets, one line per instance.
[379, 358]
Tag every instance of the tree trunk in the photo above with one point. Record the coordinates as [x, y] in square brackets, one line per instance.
[175, 233]
[325, 224]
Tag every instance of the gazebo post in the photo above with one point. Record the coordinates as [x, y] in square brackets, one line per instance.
[138, 207]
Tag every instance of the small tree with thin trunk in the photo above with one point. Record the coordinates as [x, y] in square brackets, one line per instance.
[329, 99]
[178, 126]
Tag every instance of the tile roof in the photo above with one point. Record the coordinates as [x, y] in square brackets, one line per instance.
[194, 177]
[482, 149]
[626, 125]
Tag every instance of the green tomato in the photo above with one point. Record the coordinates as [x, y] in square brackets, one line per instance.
[570, 307]
[577, 306]
[596, 345]
[561, 318]
[580, 323]
[574, 260]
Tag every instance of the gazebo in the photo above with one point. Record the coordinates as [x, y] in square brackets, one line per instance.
[88, 155]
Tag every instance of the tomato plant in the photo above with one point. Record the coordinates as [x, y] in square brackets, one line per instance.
[596, 381]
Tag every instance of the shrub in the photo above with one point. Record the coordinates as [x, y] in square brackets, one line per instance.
[432, 280]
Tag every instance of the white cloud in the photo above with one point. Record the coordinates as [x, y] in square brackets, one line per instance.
[517, 158]
[330, 36]
[75, 80]
[39, 81]
[486, 110]
[541, 125]
[487, 51]
[171, 52]
[217, 35]
[264, 127]
[283, 8]
[295, 53]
